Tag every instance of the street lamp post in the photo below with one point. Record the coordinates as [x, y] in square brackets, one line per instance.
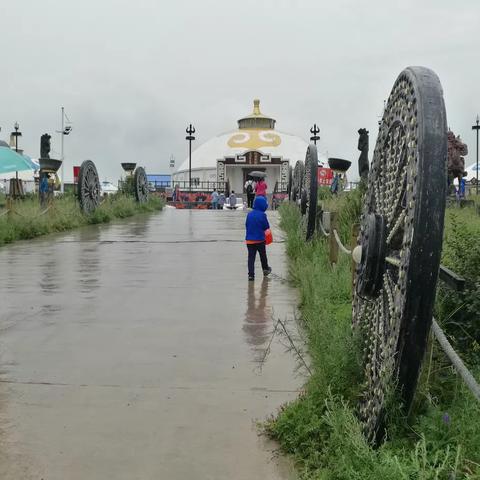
[477, 128]
[190, 131]
[172, 166]
[16, 134]
[62, 185]
[64, 131]
[314, 131]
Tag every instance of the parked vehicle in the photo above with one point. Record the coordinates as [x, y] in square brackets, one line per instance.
[108, 188]
[240, 205]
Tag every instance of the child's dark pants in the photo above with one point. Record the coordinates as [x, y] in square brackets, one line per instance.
[253, 248]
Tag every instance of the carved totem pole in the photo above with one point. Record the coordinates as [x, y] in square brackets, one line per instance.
[363, 141]
[456, 162]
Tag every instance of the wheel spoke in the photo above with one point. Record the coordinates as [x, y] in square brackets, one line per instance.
[88, 187]
[141, 184]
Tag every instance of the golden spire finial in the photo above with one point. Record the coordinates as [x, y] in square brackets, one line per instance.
[256, 107]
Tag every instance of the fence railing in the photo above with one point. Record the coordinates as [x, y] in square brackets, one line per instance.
[449, 278]
[197, 186]
[29, 186]
[280, 187]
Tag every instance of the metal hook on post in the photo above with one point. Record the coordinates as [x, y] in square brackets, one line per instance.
[190, 137]
[314, 131]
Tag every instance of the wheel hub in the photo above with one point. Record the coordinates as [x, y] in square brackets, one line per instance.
[372, 264]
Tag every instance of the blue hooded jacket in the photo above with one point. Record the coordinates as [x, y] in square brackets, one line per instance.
[257, 221]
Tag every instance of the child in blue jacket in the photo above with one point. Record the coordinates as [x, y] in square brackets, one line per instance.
[255, 225]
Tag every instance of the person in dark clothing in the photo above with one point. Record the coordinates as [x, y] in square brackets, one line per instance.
[255, 225]
[250, 189]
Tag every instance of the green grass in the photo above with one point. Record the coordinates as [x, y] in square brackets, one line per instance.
[440, 440]
[27, 223]
[459, 312]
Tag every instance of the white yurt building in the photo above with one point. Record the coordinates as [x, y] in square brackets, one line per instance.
[254, 146]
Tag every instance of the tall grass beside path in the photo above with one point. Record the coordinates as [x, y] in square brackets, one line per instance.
[440, 440]
[27, 221]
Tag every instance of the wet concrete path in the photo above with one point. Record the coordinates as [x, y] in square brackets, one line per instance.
[131, 351]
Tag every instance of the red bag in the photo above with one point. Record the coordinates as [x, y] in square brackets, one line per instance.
[268, 237]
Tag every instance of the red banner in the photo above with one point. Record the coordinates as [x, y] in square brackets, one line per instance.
[325, 176]
[198, 200]
[76, 172]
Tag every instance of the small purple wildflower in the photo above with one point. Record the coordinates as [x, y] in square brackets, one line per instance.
[446, 418]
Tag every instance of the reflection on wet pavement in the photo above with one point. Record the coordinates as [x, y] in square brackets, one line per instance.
[258, 319]
[130, 351]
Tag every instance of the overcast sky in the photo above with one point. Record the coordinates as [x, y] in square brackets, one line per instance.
[132, 74]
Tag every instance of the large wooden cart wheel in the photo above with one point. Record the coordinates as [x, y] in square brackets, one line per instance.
[297, 181]
[401, 240]
[140, 185]
[88, 188]
[290, 182]
[308, 200]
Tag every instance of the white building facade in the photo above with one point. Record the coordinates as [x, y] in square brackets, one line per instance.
[254, 146]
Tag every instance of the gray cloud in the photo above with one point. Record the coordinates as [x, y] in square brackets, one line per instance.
[133, 74]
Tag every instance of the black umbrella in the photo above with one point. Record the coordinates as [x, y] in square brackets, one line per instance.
[257, 174]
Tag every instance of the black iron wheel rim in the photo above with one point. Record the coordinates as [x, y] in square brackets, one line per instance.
[407, 188]
[290, 182]
[310, 191]
[297, 181]
[141, 185]
[88, 187]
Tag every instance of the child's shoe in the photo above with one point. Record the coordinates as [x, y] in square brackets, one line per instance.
[251, 278]
[267, 271]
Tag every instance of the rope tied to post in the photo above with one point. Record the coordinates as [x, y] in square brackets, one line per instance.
[342, 247]
[457, 362]
[322, 228]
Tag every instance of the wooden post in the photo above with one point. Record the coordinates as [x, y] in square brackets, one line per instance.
[333, 254]
[318, 220]
[9, 205]
[353, 244]
[51, 203]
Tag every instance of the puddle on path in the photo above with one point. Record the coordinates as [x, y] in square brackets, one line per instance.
[131, 351]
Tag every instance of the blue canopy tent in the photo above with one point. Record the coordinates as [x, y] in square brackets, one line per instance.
[11, 161]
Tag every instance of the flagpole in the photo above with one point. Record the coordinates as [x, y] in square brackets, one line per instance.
[62, 184]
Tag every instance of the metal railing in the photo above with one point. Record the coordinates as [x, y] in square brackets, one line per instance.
[196, 186]
[29, 186]
[281, 187]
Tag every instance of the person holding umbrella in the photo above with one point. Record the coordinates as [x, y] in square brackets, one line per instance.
[261, 186]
